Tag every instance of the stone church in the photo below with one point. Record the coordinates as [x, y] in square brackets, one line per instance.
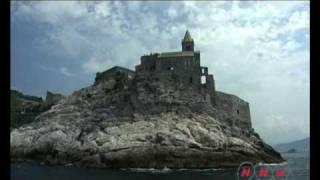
[184, 68]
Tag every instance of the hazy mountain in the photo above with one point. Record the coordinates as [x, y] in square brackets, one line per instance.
[299, 145]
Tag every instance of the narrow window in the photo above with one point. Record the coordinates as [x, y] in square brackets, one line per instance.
[238, 112]
[190, 80]
[203, 80]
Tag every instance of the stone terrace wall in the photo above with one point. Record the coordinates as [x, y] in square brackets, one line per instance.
[235, 107]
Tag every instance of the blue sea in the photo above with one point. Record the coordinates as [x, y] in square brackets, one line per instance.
[298, 163]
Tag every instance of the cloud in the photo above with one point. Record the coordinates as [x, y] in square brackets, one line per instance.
[280, 126]
[62, 70]
[257, 50]
[104, 9]
[65, 71]
[172, 13]
[50, 12]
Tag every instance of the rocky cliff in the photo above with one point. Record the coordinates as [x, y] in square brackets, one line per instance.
[138, 123]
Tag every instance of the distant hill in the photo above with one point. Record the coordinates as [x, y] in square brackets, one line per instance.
[302, 145]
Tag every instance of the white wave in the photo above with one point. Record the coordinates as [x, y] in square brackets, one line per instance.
[273, 164]
[167, 170]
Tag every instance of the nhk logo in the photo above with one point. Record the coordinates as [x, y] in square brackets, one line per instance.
[248, 171]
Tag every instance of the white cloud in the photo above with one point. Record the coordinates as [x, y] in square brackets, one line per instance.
[98, 62]
[62, 70]
[51, 12]
[65, 71]
[172, 13]
[103, 9]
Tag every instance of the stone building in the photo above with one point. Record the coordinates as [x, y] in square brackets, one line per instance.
[184, 68]
[114, 72]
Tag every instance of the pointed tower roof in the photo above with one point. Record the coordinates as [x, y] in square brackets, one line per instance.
[187, 37]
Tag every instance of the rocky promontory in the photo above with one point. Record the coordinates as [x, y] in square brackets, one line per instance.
[137, 123]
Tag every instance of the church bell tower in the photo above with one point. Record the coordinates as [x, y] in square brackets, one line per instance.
[187, 42]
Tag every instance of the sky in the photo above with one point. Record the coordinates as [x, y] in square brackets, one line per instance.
[258, 50]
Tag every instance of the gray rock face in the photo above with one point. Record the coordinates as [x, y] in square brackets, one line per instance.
[139, 123]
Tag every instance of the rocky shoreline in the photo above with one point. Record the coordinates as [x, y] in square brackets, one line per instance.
[174, 148]
[137, 124]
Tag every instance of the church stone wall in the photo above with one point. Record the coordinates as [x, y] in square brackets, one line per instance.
[237, 108]
[181, 69]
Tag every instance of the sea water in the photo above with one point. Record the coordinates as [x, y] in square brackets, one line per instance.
[299, 169]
